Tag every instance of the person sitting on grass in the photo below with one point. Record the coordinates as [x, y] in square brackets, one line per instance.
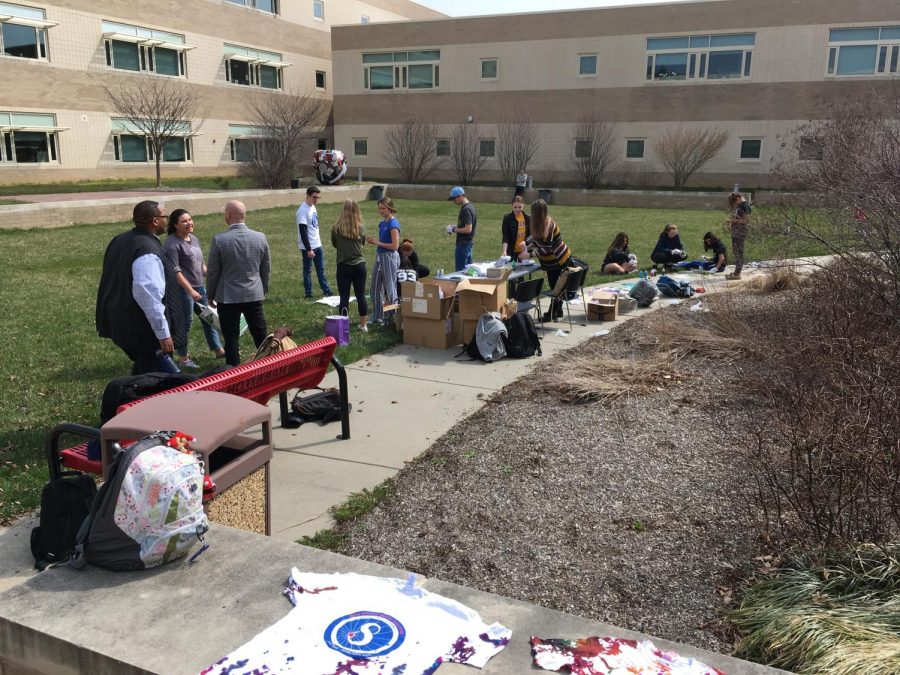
[619, 260]
[410, 269]
[669, 249]
[719, 257]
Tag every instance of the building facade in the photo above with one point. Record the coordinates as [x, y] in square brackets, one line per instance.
[753, 68]
[59, 58]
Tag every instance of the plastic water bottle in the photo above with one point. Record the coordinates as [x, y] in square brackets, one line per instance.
[652, 272]
[166, 363]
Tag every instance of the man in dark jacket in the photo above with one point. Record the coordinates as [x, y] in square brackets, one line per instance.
[137, 299]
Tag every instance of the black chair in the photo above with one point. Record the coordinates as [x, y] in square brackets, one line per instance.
[572, 286]
[528, 295]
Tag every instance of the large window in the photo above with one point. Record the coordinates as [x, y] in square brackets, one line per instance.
[864, 51]
[245, 142]
[144, 49]
[700, 57]
[254, 67]
[23, 31]
[402, 70]
[28, 138]
[130, 144]
[270, 6]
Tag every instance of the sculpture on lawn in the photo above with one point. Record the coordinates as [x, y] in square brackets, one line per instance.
[331, 166]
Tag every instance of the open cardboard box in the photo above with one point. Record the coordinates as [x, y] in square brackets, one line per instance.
[603, 306]
[427, 299]
[477, 296]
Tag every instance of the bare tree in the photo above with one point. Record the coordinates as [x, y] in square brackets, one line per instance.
[284, 125]
[159, 108]
[518, 143]
[411, 149]
[465, 153]
[592, 146]
[684, 151]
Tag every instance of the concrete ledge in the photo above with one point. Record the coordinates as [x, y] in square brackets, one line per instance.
[180, 618]
[80, 210]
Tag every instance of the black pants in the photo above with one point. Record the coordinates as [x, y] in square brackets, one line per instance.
[663, 258]
[520, 190]
[230, 318]
[355, 275]
[556, 307]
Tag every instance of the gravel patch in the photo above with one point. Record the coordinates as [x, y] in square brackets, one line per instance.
[630, 512]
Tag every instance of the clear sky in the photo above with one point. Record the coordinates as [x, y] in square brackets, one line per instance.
[476, 7]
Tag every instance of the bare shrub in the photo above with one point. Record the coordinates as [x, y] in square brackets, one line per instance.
[826, 460]
[684, 151]
[592, 147]
[726, 338]
[410, 149]
[774, 281]
[465, 153]
[161, 109]
[284, 128]
[517, 144]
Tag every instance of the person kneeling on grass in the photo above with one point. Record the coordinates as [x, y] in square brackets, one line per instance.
[619, 260]
[669, 249]
[719, 256]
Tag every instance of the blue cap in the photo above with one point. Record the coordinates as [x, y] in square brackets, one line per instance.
[455, 192]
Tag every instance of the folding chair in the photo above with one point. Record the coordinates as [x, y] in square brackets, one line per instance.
[528, 295]
[571, 284]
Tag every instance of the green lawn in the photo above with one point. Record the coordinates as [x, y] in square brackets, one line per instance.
[198, 183]
[54, 366]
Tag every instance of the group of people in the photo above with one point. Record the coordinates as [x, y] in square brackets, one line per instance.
[148, 289]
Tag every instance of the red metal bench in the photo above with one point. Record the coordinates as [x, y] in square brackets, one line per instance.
[301, 368]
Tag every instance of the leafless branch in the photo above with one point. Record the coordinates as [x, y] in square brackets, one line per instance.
[592, 143]
[465, 153]
[684, 151]
[518, 143]
[411, 149]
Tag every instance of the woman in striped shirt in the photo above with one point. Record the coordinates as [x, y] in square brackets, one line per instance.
[546, 242]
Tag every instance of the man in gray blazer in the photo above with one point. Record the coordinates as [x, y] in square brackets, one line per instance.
[237, 279]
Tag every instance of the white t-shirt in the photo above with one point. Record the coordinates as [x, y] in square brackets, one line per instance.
[309, 217]
[345, 620]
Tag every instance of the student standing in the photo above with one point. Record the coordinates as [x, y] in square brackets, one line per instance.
[738, 223]
[349, 236]
[515, 231]
[387, 260]
[464, 228]
[521, 183]
[310, 243]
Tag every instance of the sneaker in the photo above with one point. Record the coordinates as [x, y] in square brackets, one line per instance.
[188, 363]
[363, 329]
[732, 277]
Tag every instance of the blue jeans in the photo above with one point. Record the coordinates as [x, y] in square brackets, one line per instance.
[463, 256]
[320, 272]
[213, 341]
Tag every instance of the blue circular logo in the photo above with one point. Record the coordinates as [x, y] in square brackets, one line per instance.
[365, 634]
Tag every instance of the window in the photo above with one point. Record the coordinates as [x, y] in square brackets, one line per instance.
[864, 51]
[634, 148]
[701, 57]
[320, 79]
[751, 148]
[130, 143]
[28, 138]
[583, 147]
[442, 147]
[254, 67]
[810, 148]
[486, 148]
[322, 144]
[401, 70]
[587, 64]
[270, 6]
[488, 69]
[360, 147]
[23, 31]
[319, 9]
[364, 20]
[144, 49]
[245, 141]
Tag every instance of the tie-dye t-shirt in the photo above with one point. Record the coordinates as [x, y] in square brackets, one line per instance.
[351, 624]
[612, 656]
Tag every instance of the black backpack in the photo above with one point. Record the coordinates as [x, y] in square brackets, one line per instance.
[522, 339]
[323, 406]
[65, 503]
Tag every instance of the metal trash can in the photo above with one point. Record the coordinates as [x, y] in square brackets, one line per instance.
[377, 192]
[545, 194]
[236, 455]
[295, 183]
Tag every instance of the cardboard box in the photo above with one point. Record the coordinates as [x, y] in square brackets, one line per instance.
[626, 304]
[477, 296]
[468, 330]
[603, 306]
[440, 334]
[427, 299]
[498, 272]
[509, 308]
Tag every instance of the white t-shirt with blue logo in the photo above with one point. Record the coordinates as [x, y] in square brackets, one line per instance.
[387, 625]
[308, 217]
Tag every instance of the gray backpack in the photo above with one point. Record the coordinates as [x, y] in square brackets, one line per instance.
[148, 512]
[644, 292]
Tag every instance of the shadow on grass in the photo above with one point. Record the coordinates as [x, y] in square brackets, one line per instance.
[23, 471]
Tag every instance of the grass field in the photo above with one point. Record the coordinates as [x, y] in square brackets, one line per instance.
[54, 366]
[197, 183]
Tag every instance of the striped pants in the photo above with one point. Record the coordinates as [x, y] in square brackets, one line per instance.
[384, 283]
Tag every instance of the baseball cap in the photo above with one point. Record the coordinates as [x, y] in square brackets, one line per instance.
[456, 192]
